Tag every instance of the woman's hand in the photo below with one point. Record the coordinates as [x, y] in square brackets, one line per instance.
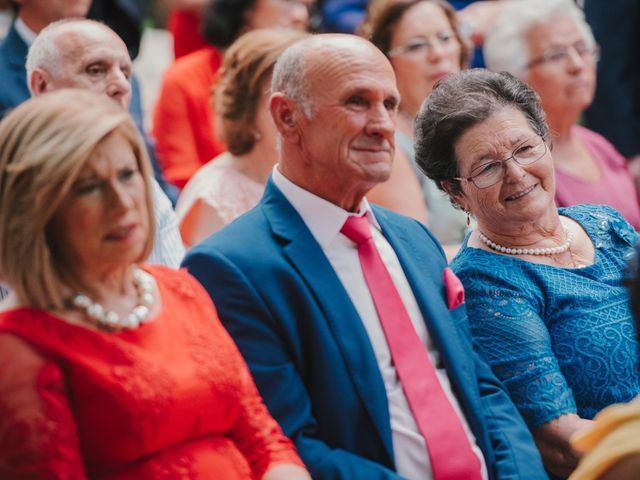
[552, 440]
[286, 471]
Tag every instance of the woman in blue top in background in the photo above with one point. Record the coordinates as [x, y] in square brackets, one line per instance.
[544, 287]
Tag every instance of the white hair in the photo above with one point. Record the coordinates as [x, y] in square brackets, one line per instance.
[45, 54]
[289, 76]
[505, 46]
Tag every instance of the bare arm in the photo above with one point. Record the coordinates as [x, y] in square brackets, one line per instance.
[552, 440]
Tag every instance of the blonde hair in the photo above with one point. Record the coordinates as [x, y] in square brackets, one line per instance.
[247, 64]
[44, 144]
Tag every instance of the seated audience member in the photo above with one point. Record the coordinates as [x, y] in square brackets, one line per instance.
[108, 368]
[346, 313]
[32, 16]
[183, 117]
[544, 287]
[423, 43]
[548, 44]
[233, 182]
[612, 445]
[87, 54]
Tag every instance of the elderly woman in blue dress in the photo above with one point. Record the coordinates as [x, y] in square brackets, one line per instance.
[544, 286]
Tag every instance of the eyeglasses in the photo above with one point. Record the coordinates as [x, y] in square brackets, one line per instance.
[492, 172]
[446, 40]
[559, 55]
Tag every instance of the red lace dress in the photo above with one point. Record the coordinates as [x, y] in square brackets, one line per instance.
[172, 399]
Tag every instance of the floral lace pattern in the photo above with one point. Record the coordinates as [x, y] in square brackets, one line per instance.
[561, 340]
[171, 399]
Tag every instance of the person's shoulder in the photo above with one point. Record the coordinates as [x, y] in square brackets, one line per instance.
[604, 150]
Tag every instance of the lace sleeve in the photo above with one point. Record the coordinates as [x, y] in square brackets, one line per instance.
[38, 437]
[507, 326]
[257, 434]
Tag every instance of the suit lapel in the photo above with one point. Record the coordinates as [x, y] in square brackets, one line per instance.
[424, 274]
[307, 258]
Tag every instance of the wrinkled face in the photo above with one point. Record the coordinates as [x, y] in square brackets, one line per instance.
[524, 194]
[43, 12]
[103, 223]
[348, 142]
[94, 58]
[564, 83]
[280, 13]
[427, 50]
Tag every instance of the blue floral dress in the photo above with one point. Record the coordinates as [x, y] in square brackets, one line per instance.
[562, 340]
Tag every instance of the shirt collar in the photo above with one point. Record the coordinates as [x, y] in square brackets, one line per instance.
[26, 34]
[323, 218]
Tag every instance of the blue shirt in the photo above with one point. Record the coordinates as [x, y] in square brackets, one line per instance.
[562, 340]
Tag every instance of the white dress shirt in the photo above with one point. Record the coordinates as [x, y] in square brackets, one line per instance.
[324, 220]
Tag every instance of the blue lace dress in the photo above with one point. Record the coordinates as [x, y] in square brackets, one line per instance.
[562, 340]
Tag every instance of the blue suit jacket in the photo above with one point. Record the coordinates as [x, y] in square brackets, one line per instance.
[310, 355]
[13, 74]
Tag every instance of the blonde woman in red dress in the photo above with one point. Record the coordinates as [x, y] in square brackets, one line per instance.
[110, 369]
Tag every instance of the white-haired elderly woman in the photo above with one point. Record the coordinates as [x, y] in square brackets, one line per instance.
[548, 44]
[544, 287]
[108, 368]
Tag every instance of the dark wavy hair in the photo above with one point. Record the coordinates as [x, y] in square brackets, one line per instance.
[224, 20]
[461, 101]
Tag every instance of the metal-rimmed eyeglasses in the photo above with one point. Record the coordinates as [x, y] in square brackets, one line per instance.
[560, 54]
[491, 172]
[445, 40]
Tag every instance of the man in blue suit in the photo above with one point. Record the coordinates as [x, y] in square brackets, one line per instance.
[290, 289]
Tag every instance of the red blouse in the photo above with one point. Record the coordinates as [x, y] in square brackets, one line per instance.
[170, 399]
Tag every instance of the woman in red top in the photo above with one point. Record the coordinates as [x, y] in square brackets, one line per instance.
[109, 369]
[183, 123]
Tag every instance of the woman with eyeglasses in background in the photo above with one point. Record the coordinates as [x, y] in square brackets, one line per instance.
[544, 287]
[422, 41]
[548, 44]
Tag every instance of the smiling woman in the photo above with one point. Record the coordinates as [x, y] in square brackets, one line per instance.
[88, 330]
[541, 284]
[548, 44]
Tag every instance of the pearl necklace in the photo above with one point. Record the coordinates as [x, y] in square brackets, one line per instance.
[529, 251]
[110, 320]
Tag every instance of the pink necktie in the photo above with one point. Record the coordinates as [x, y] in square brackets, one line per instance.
[447, 443]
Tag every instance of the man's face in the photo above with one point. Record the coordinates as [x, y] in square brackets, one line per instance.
[93, 58]
[39, 13]
[348, 145]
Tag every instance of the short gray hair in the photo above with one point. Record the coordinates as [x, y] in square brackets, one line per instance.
[44, 52]
[289, 76]
[505, 46]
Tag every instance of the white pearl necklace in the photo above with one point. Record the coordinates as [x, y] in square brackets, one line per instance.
[110, 320]
[529, 251]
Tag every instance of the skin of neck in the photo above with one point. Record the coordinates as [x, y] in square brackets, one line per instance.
[107, 284]
[256, 164]
[561, 122]
[547, 231]
[346, 196]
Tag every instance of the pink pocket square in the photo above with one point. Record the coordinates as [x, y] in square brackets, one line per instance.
[455, 290]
